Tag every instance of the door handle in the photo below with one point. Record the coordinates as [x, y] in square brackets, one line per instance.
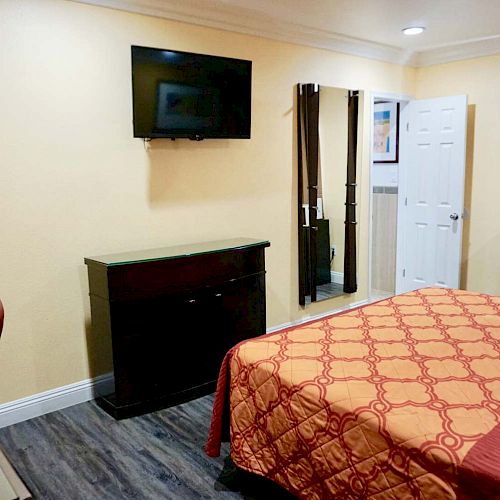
[454, 216]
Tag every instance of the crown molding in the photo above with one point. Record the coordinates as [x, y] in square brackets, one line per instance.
[470, 49]
[248, 22]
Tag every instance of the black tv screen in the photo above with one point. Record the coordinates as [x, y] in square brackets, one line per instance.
[179, 94]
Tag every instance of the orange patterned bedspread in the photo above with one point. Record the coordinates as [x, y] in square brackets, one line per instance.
[384, 401]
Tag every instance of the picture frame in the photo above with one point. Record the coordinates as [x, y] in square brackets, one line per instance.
[386, 132]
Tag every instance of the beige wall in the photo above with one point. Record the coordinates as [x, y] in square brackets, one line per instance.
[478, 78]
[74, 183]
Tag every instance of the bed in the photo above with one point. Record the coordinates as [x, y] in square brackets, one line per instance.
[397, 399]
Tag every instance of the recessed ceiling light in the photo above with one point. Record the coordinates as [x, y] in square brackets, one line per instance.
[414, 30]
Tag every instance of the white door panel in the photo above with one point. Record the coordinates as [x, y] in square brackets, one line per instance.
[432, 182]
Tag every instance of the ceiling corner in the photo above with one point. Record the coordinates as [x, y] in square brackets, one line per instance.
[247, 22]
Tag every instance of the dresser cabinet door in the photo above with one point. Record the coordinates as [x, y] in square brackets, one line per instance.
[245, 306]
[167, 345]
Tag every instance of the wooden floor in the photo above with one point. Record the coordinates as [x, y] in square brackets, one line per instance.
[83, 453]
[327, 291]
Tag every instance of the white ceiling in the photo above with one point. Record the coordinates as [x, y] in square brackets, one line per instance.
[455, 29]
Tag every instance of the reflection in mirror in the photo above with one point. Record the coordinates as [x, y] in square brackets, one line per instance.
[327, 150]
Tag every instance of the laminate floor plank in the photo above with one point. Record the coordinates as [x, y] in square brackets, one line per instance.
[83, 453]
[327, 291]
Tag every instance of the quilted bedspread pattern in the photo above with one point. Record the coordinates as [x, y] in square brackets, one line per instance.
[384, 401]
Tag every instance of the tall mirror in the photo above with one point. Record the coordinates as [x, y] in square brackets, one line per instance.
[327, 142]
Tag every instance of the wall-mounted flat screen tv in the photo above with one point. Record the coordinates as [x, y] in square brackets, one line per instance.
[185, 95]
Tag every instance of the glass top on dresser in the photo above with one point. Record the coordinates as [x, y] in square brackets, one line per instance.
[176, 251]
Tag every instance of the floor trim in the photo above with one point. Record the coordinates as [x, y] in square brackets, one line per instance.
[79, 392]
[337, 277]
[55, 399]
[306, 319]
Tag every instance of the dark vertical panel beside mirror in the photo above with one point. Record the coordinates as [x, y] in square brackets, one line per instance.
[350, 281]
[172, 314]
[308, 130]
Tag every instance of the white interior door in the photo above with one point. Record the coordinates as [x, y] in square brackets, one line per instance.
[432, 177]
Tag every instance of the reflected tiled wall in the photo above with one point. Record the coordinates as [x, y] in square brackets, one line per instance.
[385, 210]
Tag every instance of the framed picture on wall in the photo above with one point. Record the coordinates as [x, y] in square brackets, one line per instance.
[385, 132]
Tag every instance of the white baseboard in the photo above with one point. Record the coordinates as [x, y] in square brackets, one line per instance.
[305, 319]
[55, 399]
[337, 277]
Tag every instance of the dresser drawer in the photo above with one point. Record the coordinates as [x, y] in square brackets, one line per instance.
[177, 275]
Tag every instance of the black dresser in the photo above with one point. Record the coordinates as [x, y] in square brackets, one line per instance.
[172, 313]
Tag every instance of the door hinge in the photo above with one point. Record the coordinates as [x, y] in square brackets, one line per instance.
[407, 126]
[404, 273]
[406, 201]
